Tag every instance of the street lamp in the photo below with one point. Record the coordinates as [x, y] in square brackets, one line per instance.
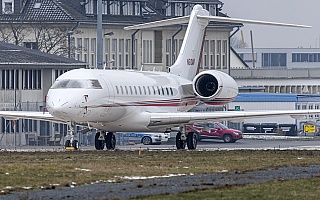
[69, 43]
[109, 33]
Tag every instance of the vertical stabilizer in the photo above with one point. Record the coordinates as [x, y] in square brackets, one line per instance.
[189, 58]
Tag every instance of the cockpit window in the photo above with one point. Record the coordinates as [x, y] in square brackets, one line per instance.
[77, 83]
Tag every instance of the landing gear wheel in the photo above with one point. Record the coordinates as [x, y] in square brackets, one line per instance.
[146, 140]
[111, 141]
[192, 140]
[180, 144]
[67, 143]
[227, 139]
[99, 144]
[75, 144]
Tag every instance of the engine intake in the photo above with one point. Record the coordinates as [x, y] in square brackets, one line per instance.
[206, 85]
[212, 84]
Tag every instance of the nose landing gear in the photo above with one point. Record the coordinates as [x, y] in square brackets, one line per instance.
[71, 143]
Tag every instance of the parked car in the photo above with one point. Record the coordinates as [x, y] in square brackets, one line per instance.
[216, 130]
[146, 138]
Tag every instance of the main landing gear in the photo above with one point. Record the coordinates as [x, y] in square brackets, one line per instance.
[102, 138]
[184, 139]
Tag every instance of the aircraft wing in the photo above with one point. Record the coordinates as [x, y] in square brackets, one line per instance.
[160, 119]
[15, 115]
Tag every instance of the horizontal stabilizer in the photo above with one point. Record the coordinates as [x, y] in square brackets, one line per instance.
[166, 22]
[185, 19]
[246, 21]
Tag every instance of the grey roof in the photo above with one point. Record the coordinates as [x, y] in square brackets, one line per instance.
[13, 54]
[69, 11]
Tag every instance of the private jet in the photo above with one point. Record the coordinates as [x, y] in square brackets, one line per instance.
[112, 101]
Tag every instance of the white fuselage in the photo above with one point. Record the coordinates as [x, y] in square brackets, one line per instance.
[122, 99]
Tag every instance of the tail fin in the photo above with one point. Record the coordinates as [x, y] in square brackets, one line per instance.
[189, 59]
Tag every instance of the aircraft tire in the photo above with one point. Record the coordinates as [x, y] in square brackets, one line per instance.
[99, 144]
[192, 140]
[75, 144]
[67, 143]
[111, 141]
[180, 144]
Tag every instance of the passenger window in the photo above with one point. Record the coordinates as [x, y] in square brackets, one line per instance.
[135, 90]
[158, 90]
[162, 91]
[149, 90]
[167, 91]
[121, 89]
[171, 91]
[154, 90]
[140, 90]
[117, 89]
[144, 90]
[125, 87]
[130, 89]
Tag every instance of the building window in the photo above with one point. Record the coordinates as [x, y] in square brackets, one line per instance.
[178, 9]
[106, 52]
[93, 51]
[79, 49]
[9, 79]
[30, 45]
[224, 54]
[89, 6]
[218, 54]
[137, 8]
[305, 57]
[58, 72]
[205, 54]
[128, 8]
[168, 51]
[212, 52]
[147, 51]
[188, 8]
[168, 9]
[120, 53]
[85, 49]
[115, 8]
[127, 55]
[114, 51]
[274, 59]
[247, 57]
[7, 7]
[32, 79]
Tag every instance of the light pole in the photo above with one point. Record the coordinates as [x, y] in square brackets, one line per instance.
[99, 34]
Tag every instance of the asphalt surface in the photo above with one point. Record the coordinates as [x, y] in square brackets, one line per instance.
[145, 187]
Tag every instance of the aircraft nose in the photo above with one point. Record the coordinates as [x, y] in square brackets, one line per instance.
[58, 107]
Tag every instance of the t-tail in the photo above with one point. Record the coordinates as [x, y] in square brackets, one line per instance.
[188, 62]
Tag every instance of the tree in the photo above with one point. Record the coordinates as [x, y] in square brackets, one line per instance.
[237, 43]
[48, 37]
[13, 33]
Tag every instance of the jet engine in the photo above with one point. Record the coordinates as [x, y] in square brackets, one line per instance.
[215, 85]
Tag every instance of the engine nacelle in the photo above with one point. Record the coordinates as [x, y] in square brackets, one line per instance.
[215, 86]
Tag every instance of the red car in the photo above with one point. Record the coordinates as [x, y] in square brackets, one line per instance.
[216, 130]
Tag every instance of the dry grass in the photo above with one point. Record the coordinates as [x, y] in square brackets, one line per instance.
[47, 169]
